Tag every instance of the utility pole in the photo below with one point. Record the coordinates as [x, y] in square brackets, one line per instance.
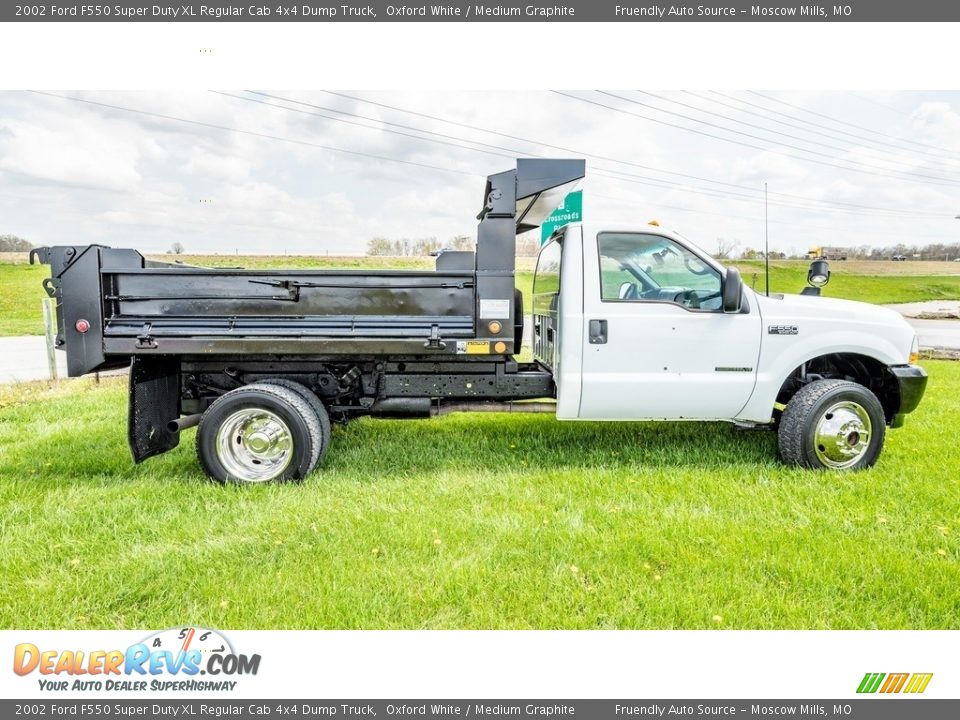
[766, 238]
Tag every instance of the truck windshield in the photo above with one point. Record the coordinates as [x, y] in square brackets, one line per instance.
[643, 267]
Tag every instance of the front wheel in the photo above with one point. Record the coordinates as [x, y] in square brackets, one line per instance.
[832, 424]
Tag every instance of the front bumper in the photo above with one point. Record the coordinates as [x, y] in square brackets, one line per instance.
[911, 383]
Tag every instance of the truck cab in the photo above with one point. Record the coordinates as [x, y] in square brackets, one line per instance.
[644, 325]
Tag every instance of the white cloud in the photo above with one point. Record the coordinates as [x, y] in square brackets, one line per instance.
[72, 151]
[218, 166]
[768, 166]
[96, 174]
[938, 123]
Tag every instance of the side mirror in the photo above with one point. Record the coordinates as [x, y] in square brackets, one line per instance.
[628, 291]
[732, 291]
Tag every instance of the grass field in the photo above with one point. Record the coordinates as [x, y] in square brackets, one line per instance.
[877, 282]
[477, 521]
[873, 282]
[20, 296]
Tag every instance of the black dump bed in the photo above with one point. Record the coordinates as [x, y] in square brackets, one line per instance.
[113, 304]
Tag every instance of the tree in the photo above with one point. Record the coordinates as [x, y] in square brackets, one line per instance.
[379, 246]
[725, 247]
[177, 248]
[528, 245]
[13, 243]
[425, 246]
[461, 242]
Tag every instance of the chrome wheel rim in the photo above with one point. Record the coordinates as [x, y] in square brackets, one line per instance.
[254, 445]
[842, 435]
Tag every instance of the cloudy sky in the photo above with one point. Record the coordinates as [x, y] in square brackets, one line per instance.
[320, 172]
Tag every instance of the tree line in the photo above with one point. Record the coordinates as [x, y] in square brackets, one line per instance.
[729, 249]
[930, 251]
[13, 243]
[404, 247]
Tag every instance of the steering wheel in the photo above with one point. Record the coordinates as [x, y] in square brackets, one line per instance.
[628, 291]
[689, 298]
[704, 269]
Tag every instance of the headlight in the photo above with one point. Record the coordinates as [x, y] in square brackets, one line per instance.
[915, 350]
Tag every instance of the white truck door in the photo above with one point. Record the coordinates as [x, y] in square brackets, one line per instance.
[656, 342]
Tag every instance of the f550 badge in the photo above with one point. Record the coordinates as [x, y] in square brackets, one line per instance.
[783, 330]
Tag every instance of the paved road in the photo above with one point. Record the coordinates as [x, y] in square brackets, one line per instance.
[25, 358]
[937, 333]
[929, 309]
[934, 333]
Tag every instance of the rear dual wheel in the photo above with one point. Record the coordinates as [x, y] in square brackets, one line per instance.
[269, 431]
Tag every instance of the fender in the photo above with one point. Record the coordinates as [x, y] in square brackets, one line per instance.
[781, 355]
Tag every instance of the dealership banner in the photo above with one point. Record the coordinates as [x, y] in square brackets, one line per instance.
[503, 11]
[487, 708]
[193, 670]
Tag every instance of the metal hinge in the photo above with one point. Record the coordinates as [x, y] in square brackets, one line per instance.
[144, 340]
[434, 340]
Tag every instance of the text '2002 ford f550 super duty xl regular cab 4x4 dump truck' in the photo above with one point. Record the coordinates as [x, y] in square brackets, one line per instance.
[627, 325]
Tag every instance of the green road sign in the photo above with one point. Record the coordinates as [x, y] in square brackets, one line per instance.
[570, 211]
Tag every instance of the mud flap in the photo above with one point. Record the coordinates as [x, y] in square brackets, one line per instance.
[154, 401]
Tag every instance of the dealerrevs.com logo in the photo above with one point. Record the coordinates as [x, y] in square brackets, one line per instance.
[180, 659]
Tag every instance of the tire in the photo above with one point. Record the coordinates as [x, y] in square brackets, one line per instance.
[258, 433]
[825, 423]
[320, 450]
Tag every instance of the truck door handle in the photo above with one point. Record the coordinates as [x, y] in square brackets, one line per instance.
[598, 332]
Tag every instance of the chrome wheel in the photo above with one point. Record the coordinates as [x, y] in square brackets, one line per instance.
[842, 434]
[254, 445]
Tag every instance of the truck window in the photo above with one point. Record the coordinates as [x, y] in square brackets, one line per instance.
[546, 280]
[643, 267]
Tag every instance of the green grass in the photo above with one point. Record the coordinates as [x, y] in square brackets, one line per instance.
[852, 283]
[477, 521]
[20, 298]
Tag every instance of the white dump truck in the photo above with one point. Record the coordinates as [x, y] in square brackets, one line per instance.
[627, 324]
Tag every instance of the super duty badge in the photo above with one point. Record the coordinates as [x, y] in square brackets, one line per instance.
[783, 330]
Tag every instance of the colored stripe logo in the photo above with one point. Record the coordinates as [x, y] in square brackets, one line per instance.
[894, 683]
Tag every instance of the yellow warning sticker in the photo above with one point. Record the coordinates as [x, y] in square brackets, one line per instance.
[473, 347]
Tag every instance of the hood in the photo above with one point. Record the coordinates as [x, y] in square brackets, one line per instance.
[817, 314]
[819, 307]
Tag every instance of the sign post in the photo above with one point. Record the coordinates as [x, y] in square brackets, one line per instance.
[570, 211]
[50, 330]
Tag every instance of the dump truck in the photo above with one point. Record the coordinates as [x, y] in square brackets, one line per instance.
[828, 253]
[627, 324]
